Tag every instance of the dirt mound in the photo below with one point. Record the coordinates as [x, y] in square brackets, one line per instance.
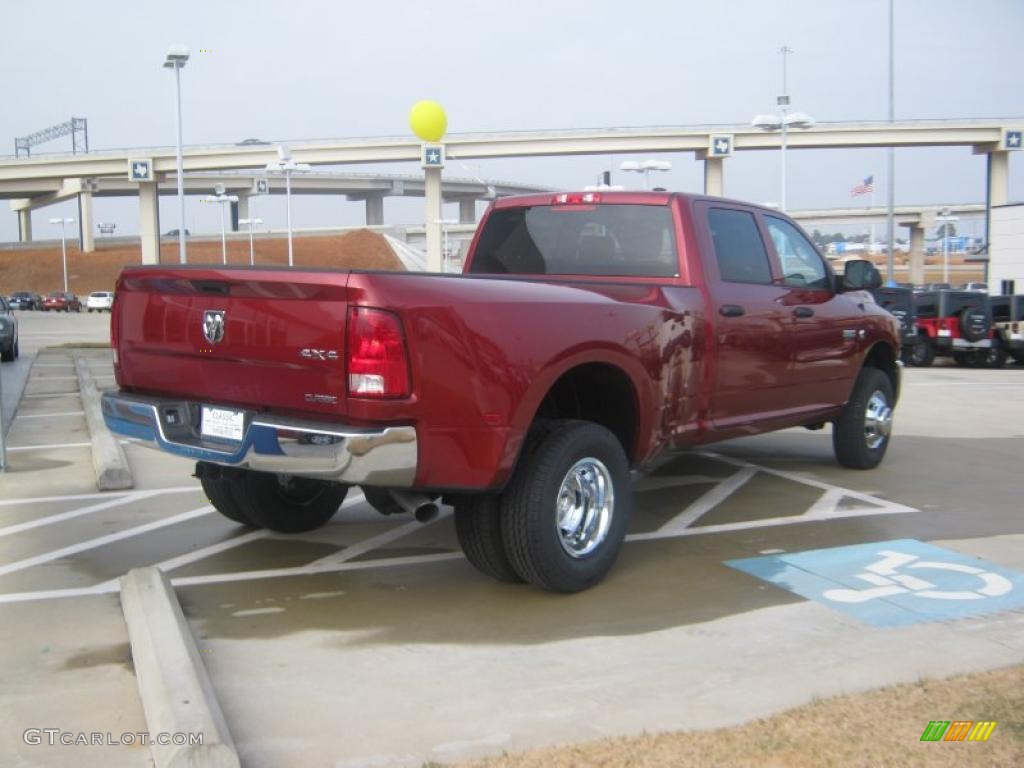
[39, 269]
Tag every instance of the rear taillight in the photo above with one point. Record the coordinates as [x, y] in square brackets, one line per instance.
[378, 365]
[576, 198]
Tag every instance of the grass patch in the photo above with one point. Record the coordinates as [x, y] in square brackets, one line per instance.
[879, 729]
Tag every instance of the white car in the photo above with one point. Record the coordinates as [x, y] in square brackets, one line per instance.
[100, 301]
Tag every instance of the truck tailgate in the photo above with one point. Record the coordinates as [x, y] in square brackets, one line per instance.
[265, 339]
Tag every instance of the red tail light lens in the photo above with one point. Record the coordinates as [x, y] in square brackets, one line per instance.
[576, 198]
[378, 365]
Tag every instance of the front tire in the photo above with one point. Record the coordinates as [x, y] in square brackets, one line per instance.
[284, 503]
[565, 513]
[861, 434]
[478, 527]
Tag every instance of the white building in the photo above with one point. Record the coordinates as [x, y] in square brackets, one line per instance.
[1006, 249]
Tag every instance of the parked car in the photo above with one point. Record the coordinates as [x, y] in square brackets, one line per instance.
[983, 287]
[952, 323]
[100, 301]
[25, 300]
[1008, 339]
[8, 332]
[174, 233]
[938, 287]
[581, 341]
[900, 302]
[62, 301]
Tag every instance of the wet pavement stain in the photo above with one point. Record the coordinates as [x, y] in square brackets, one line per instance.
[120, 653]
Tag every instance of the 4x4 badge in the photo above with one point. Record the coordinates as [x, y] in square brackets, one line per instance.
[213, 325]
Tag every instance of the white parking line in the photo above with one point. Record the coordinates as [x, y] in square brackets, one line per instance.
[53, 378]
[48, 415]
[708, 501]
[51, 446]
[60, 517]
[51, 394]
[104, 495]
[237, 541]
[329, 562]
[101, 541]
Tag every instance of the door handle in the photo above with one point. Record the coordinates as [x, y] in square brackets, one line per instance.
[803, 312]
[731, 310]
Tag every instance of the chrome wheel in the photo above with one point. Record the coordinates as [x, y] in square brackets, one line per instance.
[585, 506]
[877, 420]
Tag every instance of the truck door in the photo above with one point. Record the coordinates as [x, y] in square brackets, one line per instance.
[821, 326]
[748, 320]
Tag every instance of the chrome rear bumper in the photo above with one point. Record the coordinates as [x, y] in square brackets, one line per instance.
[321, 450]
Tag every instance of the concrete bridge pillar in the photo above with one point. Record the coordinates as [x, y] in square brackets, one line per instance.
[25, 226]
[467, 211]
[149, 222]
[374, 210]
[714, 176]
[916, 275]
[240, 210]
[86, 228]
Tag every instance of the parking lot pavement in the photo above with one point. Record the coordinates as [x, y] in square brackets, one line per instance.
[373, 642]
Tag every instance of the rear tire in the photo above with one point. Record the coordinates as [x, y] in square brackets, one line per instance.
[284, 503]
[565, 512]
[861, 434]
[7, 355]
[995, 357]
[478, 527]
[921, 354]
[218, 491]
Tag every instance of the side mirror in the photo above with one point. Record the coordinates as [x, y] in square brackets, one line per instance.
[861, 275]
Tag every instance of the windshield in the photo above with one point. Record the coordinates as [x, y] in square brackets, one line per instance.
[614, 240]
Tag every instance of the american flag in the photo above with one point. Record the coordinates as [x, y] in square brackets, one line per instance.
[868, 185]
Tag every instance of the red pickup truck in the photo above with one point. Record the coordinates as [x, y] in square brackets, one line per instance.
[589, 334]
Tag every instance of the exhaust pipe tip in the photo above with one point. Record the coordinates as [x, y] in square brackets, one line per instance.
[426, 513]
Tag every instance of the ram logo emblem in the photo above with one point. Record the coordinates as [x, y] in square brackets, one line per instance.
[213, 325]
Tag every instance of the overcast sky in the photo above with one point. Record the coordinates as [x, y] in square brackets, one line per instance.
[303, 70]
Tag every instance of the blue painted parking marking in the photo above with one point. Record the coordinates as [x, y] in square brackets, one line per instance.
[892, 583]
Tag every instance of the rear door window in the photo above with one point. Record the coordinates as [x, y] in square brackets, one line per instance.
[739, 249]
[604, 239]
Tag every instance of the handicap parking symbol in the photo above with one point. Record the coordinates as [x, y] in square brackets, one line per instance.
[892, 583]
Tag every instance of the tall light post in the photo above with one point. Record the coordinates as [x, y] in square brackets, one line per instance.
[287, 166]
[645, 167]
[890, 216]
[782, 123]
[177, 57]
[252, 250]
[63, 246]
[223, 199]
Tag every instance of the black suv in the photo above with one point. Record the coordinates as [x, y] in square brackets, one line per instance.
[957, 323]
[1008, 317]
[900, 303]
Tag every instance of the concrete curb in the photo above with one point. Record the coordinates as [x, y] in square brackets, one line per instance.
[113, 472]
[177, 695]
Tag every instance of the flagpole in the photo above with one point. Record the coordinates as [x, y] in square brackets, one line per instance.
[871, 205]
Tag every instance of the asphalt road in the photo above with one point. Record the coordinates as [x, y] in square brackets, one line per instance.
[373, 642]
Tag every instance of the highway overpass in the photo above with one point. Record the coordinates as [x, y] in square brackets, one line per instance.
[993, 139]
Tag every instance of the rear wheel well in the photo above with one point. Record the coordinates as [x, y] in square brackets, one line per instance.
[596, 392]
[883, 358]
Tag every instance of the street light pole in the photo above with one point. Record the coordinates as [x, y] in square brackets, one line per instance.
[783, 102]
[891, 213]
[287, 166]
[63, 247]
[177, 56]
[252, 249]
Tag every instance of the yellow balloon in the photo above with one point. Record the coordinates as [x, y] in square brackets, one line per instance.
[428, 120]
